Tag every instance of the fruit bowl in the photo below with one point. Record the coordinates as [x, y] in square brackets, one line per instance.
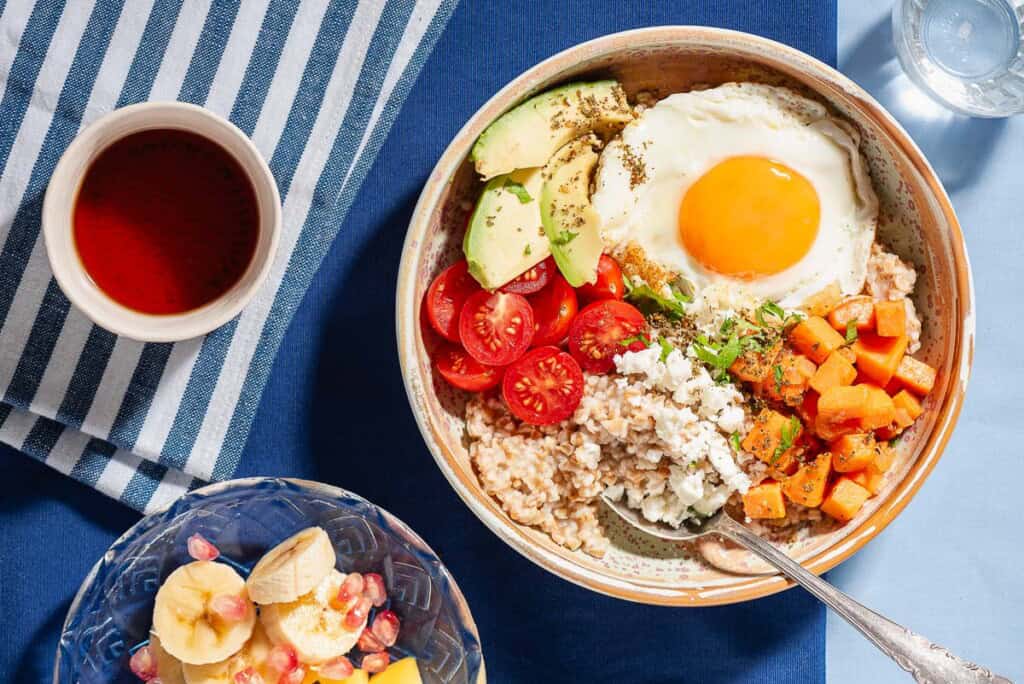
[113, 609]
[917, 222]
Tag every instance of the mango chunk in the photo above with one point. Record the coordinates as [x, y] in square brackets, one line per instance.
[404, 671]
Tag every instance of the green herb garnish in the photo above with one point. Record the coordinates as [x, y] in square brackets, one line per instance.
[851, 332]
[777, 373]
[787, 438]
[649, 301]
[894, 441]
[527, 250]
[734, 442]
[635, 338]
[564, 238]
[666, 349]
[783, 320]
[518, 189]
[718, 355]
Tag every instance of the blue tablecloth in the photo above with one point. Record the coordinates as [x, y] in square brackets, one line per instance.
[334, 410]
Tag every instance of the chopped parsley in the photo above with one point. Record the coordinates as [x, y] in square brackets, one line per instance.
[666, 349]
[719, 356]
[635, 338]
[734, 441]
[527, 250]
[518, 189]
[851, 332]
[777, 374]
[773, 310]
[787, 438]
[649, 301]
[894, 441]
[564, 238]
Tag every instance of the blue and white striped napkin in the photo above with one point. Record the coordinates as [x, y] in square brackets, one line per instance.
[315, 83]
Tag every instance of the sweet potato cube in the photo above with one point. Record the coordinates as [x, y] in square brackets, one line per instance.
[766, 437]
[853, 452]
[808, 408]
[788, 384]
[829, 431]
[859, 309]
[917, 376]
[755, 366]
[909, 403]
[841, 403]
[891, 318]
[846, 353]
[815, 338]
[846, 498]
[878, 357]
[835, 371]
[885, 456]
[872, 477]
[764, 501]
[807, 485]
[821, 303]
[880, 409]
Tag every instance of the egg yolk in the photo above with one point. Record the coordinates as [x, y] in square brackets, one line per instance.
[749, 217]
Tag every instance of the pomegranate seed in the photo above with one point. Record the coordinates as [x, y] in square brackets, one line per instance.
[143, 664]
[248, 676]
[339, 668]
[368, 643]
[283, 659]
[356, 616]
[296, 676]
[385, 627]
[229, 608]
[351, 588]
[375, 589]
[376, 662]
[200, 549]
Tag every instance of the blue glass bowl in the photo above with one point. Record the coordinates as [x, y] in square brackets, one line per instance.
[244, 518]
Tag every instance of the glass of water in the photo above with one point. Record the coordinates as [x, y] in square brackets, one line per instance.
[967, 54]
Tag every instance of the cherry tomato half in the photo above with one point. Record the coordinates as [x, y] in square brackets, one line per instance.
[533, 280]
[543, 387]
[609, 283]
[596, 333]
[554, 307]
[446, 296]
[463, 371]
[496, 329]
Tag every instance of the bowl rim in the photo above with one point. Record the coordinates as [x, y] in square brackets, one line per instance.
[330, 489]
[513, 534]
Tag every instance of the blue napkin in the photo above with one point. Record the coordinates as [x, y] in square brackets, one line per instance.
[316, 84]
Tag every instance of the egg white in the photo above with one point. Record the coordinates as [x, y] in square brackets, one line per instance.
[684, 135]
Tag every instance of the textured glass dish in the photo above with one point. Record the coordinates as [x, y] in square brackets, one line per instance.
[245, 518]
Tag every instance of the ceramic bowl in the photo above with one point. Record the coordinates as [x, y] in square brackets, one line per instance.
[916, 221]
[62, 193]
[113, 609]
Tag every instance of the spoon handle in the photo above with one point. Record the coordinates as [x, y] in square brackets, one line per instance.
[927, 662]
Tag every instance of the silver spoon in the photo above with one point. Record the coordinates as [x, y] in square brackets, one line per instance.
[927, 662]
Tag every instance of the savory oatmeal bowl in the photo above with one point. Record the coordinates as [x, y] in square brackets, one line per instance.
[687, 269]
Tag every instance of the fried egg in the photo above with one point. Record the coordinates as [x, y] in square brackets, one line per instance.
[745, 186]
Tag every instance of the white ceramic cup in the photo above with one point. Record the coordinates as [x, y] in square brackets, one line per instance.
[58, 208]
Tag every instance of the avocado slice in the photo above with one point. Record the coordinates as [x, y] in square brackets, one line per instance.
[572, 225]
[528, 135]
[505, 236]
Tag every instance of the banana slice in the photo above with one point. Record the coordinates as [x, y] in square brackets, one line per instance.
[168, 668]
[314, 624]
[184, 622]
[292, 568]
[253, 654]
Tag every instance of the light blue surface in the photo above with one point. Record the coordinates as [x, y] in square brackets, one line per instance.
[950, 566]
